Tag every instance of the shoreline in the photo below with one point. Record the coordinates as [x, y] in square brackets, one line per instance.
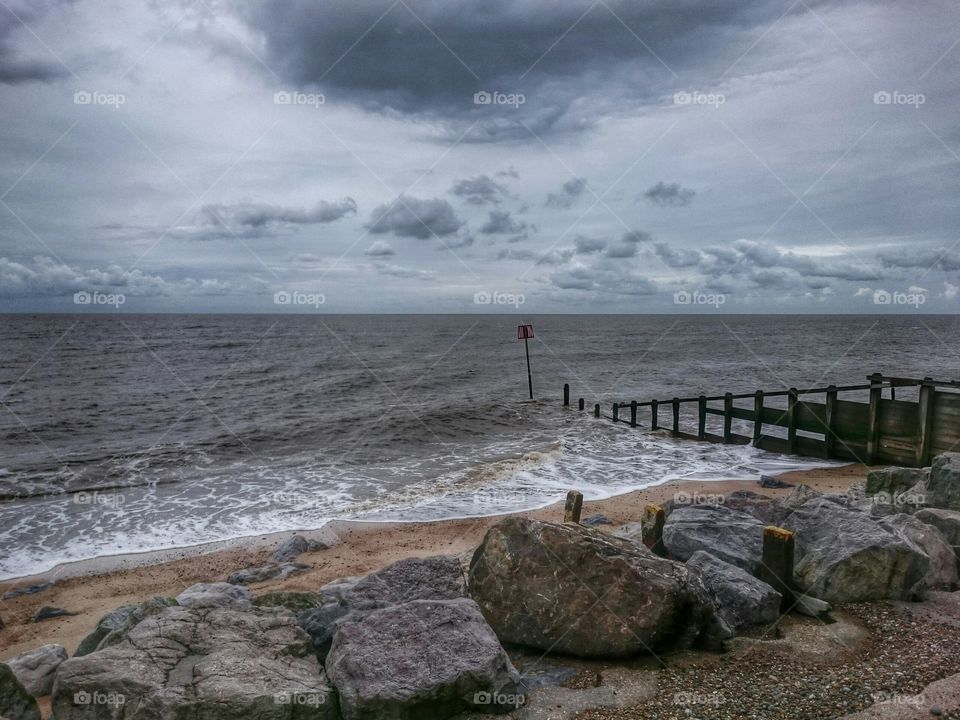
[362, 548]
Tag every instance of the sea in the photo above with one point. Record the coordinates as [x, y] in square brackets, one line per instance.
[129, 433]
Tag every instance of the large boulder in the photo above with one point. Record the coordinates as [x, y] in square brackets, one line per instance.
[115, 624]
[270, 571]
[763, 507]
[433, 578]
[946, 521]
[208, 664]
[420, 660]
[944, 482]
[336, 590]
[291, 600]
[895, 480]
[942, 573]
[742, 600]
[292, 548]
[733, 536]
[844, 555]
[35, 669]
[577, 590]
[15, 702]
[798, 496]
[321, 624]
[215, 595]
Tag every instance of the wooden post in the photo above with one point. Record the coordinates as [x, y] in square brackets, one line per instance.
[596, 410]
[757, 416]
[616, 412]
[571, 511]
[873, 422]
[676, 416]
[776, 565]
[727, 417]
[580, 404]
[566, 394]
[702, 419]
[633, 413]
[792, 420]
[653, 414]
[925, 421]
[651, 529]
[829, 436]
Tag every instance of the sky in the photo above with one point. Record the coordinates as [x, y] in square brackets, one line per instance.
[515, 156]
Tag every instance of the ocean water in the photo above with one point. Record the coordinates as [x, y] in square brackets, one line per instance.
[131, 433]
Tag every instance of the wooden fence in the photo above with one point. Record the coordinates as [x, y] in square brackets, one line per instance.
[876, 430]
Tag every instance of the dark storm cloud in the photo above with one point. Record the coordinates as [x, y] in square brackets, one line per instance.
[259, 214]
[568, 195]
[409, 216]
[502, 222]
[672, 194]
[15, 19]
[480, 190]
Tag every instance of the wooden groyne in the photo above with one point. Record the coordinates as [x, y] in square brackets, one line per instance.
[871, 429]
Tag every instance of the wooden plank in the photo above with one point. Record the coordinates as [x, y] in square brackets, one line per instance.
[830, 412]
[757, 416]
[702, 417]
[676, 415]
[792, 403]
[742, 414]
[924, 423]
[898, 418]
[773, 444]
[727, 416]
[852, 420]
[653, 414]
[812, 417]
[873, 417]
[810, 447]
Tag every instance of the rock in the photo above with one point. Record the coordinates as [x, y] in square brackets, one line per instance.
[741, 599]
[766, 481]
[114, 626]
[294, 547]
[266, 572]
[432, 578]
[539, 583]
[337, 590]
[595, 520]
[938, 699]
[811, 606]
[944, 482]
[48, 613]
[35, 669]
[843, 555]
[15, 702]
[215, 595]
[219, 663]
[321, 624]
[946, 521]
[762, 507]
[895, 480]
[632, 531]
[294, 601]
[942, 574]
[734, 537]
[28, 590]
[1, 624]
[800, 495]
[420, 659]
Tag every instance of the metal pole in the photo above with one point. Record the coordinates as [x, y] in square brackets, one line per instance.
[526, 346]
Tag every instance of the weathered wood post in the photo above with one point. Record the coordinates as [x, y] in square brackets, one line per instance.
[651, 529]
[633, 413]
[580, 404]
[653, 414]
[676, 416]
[727, 417]
[596, 410]
[702, 418]
[616, 412]
[566, 394]
[873, 418]
[757, 417]
[776, 565]
[829, 436]
[573, 506]
[925, 421]
[792, 420]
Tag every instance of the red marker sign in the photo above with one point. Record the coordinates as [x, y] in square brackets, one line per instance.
[524, 332]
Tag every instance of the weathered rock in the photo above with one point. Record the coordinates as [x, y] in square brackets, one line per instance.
[432, 578]
[270, 571]
[942, 574]
[215, 595]
[632, 531]
[321, 624]
[423, 659]
[595, 520]
[762, 507]
[35, 669]
[843, 555]
[741, 599]
[200, 663]
[734, 537]
[15, 702]
[946, 521]
[337, 589]
[48, 613]
[27, 590]
[1, 624]
[797, 497]
[944, 482]
[580, 591]
[894, 480]
[114, 625]
[294, 601]
[811, 606]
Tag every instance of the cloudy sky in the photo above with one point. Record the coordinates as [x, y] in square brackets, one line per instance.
[480, 155]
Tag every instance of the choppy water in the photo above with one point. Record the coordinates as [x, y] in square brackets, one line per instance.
[131, 433]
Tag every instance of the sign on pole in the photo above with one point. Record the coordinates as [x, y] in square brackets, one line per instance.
[525, 332]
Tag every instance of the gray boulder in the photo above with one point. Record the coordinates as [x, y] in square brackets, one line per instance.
[292, 548]
[946, 521]
[797, 497]
[741, 599]
[576, 590]
[215, 595]
[762, 507]
[733, 536]
[420, 660]
[944, 482]
[270, 571]
[291, 600]
[209, 664]
[35, 669]
[895, 480]
[942, 573]
[15, 702]
[115, 624]
[433, 578]
[844, 555]
[321, 624]
[337, 590]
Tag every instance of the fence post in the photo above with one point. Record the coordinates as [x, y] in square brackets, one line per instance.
[925, 424]
[616, 412]
[596, 410]
[676, 416]
[566, 394]
[727, 417]
[702, 418]
[829, 437]
[792, 420]
[580, 404]
[572, 508]
[633, 413]
[776, 565]
[873, 422]
[757, 416]
[653, 414]
[651, 529]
